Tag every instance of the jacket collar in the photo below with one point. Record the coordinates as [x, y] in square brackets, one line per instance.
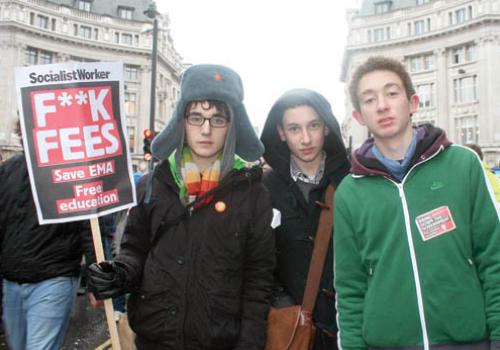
[430, 140]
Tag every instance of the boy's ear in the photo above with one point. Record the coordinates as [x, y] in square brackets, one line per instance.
[414, 101]
[359, 118]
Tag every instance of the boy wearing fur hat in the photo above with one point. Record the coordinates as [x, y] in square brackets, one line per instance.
[198, 251]
[306, 153]
[417, 232]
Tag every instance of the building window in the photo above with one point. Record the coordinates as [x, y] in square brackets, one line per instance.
[32, 18]
[86, 32]
[127, 39]
[130, 103]
[459, 16]
[131, 138]
[467, 130]
[465, 89]
[463, 54]
[421, 63]
[382, 7]
[421, 26]
[425, 94]
[117, 38]
[42, 22]
[31, 55]
[470, 53]
[131, 72]
[369, 36]
[83, 5]
[457, 55]
[378, 34]
[37, 56]
[45, 57]
[415, 64]
[53, 26]
[428, 62]
[421, 2]
[125, 12]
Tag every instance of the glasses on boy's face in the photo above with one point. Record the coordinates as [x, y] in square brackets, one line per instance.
[215, 121]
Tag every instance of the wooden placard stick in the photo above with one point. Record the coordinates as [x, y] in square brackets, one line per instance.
[108, 303]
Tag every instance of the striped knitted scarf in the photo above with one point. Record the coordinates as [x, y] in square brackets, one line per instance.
[197, 183]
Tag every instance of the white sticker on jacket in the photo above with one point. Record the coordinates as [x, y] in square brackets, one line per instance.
[435, 222]
[276, 221]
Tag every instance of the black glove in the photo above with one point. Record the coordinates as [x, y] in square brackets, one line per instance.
[106, 279]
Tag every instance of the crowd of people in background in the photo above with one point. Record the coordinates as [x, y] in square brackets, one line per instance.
[215, 240]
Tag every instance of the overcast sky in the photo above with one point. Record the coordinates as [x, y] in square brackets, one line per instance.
[274, 45]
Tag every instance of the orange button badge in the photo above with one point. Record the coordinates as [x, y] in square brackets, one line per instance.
[220, 207]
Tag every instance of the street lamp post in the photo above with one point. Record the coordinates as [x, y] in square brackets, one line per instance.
[151, 12]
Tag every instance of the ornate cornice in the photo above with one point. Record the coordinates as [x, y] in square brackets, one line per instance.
[429, 36]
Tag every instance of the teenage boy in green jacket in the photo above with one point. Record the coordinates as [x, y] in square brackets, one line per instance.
[417, 232]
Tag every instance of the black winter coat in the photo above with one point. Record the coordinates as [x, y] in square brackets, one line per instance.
[300, 217]
[295, 242]
[31, 252]
[204, 278]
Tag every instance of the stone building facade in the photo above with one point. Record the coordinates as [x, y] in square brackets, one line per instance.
[64, 31]
[452, 51]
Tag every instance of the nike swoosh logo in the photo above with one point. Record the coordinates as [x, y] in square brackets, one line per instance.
[436, 185]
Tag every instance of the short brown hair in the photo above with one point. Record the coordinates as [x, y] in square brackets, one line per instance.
[379, 63]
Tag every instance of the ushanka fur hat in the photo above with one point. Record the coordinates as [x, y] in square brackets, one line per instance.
[210, 82]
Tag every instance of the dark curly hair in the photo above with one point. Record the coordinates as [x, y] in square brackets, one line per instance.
[220, 106]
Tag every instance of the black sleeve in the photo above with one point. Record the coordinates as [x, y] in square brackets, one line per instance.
[3, 222]
[136, 241]
[87, 241]
[258, 281]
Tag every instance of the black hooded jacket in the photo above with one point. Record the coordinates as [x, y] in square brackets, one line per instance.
[31, 252]
[300, 217]
[201, 278]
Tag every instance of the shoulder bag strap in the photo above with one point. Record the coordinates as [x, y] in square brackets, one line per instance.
[321, 245]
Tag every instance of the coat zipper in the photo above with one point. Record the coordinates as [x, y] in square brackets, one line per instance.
[416, 275]
[411, 246]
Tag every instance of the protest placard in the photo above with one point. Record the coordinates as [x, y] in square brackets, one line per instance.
[78, 159]
[74, 131]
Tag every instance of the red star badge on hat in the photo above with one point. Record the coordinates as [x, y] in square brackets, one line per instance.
[217, 76]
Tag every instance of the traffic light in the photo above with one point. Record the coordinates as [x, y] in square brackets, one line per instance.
[148, 137]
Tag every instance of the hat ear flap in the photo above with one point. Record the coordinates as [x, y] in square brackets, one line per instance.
[248, 145]
[171, 136]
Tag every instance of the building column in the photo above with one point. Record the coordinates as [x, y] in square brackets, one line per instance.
[488, 51]
[443, 118]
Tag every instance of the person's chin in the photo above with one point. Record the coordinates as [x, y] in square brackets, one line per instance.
[205, 153]
[308, 158]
